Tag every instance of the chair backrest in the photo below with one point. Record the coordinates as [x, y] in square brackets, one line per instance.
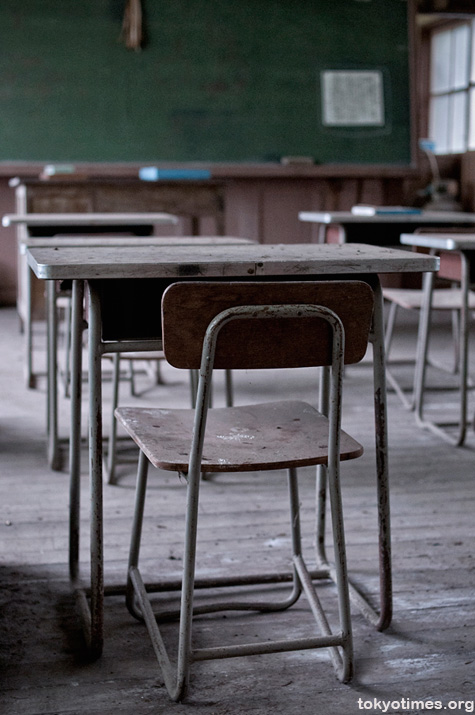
[189, 307]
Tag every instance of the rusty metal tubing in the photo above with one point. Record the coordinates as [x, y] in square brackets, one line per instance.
[28, 329]
[343, 663]
[382, 620]
[95, 464]
[263, 606]
[142, 477]
[67, 355]
[112, 446]
[345, 670]
[175, 689]
[203, 582]
[54, 453]
[186, 655]
[96, 349]
[75, 426]
[321, 475]
[92, 616]
[281, 646]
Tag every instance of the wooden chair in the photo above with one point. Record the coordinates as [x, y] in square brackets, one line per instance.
[241, 325]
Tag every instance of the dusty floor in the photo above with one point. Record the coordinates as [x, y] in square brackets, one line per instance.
[428, 653]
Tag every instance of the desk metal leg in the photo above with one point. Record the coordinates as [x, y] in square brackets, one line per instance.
[28, 327]
[91, 614]
[382, 467]
[92, 610]
[77, 327]
[96, 635]
[75, 427]
[54, 453]
[382, 619]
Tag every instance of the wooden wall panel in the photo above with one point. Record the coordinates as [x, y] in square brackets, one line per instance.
[281, 203]
[264, 208]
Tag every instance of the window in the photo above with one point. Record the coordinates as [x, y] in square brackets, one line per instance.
[452, 89]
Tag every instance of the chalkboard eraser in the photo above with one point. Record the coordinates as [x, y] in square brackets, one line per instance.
[152, 173]
[56, 169]
[288, 160]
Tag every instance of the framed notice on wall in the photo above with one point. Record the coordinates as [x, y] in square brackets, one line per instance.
[352, 98]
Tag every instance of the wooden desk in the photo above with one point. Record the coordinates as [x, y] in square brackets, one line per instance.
[58, 221]
[464, 244]
[382, 229]
[203, 261]
[29, 292]
[100, 266]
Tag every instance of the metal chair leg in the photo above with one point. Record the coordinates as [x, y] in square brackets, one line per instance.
[142, 476]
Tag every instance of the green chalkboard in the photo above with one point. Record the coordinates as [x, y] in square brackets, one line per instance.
[216, 81]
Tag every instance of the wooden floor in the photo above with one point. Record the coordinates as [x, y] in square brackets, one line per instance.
[427, 654]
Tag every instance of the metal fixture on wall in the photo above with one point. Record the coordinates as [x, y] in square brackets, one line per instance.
[132, 31]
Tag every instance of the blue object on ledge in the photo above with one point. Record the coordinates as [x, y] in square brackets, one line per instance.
[153, 173]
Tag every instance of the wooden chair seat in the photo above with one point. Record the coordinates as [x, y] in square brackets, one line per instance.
[238, 439]
[442, 298]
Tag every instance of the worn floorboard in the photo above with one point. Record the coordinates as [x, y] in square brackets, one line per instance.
[428, 653]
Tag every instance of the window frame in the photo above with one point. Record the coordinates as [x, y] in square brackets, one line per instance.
[459, 122]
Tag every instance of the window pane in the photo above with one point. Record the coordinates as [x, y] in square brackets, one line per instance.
[458, 122]
[440, 61]
[471, 126]
[439, 122]
[460, 50]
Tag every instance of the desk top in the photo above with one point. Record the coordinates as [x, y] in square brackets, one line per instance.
[103, 241]
[227, 261]
[89, 219]
[441, 241]
[425, 217]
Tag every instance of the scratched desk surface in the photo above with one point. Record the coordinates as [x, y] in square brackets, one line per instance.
[246, 259]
